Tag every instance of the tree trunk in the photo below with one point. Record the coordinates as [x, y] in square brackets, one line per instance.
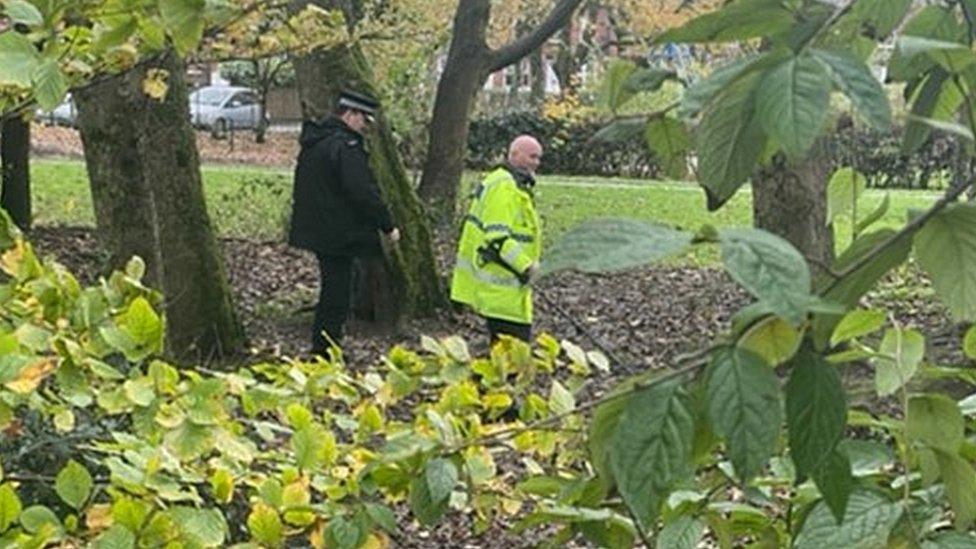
[408, 284]
[15, 195]
[790, 200]
[469, 62]
[539, 79]
[145, 177]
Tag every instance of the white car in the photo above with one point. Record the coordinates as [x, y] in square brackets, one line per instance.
[223, 108]
[64, 114]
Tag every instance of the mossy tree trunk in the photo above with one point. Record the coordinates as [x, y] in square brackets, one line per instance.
[408, 283]
[790, 200]
[15, 195]
[145, 178]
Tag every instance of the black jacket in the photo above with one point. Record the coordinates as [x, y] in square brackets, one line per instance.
[336, 205]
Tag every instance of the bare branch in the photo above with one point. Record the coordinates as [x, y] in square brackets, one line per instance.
[557, 19]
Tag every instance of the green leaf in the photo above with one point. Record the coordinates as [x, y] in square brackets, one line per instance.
[651, 448]
[701, 93]
[115, 537]
[969, 343]
[936, 421]
[905, 349]
[951, 56]
[730, 140]
[10, 506]
[621, 130]
[856, 324]
[735, 21]
[23, 12]
[792, 103]
[946, 249]
[816, 411]
[206, 527]
[38, 517]
[880, 17]
[835, 481]
[934, 22]
[944, 126]
[615, 90]
[50, 84]
[184, 21]
[18, 59]
[960, 482]
[383, 516]
[876, 215]
[74, 484]
[427, 511]
[647, 80]
[143, 326]
[951, 540]
[265, 525]
[770, 268]
[342, 533]
[843, 190]
[309, 444]
[867, 524]
[669, 140]
[684, 532]
[744, 408]
[604, 424]
[441, 476]
[937, 99]
[607, 245]
[849, 290]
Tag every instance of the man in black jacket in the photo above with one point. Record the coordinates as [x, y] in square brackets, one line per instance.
[337, 210]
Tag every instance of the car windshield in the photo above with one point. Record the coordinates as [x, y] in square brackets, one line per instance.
[210, 96]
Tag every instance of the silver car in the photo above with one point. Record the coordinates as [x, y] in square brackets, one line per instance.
[64, 114]
[223, 108]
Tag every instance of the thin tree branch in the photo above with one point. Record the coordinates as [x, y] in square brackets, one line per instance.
[909, 229]
[512, 52]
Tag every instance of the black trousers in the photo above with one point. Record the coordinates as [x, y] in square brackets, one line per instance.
[332, 310]
[497, 327]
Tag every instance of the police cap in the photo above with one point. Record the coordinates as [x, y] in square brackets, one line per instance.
[358, 101]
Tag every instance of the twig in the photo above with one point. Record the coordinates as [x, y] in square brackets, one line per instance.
[910, 228]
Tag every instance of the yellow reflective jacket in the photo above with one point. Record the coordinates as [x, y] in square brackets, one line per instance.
[500, 209]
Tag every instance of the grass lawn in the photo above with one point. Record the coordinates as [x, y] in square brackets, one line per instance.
[250, 202]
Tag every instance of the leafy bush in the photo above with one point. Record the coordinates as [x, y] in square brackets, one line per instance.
[568, 144]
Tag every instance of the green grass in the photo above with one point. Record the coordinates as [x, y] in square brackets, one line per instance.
[249, 202]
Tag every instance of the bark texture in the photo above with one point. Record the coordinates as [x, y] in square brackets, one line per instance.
[15, 196]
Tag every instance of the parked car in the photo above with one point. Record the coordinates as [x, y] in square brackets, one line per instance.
[223, 108]
[64, 114]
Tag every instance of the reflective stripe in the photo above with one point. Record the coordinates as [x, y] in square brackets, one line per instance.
[512, 255]
[498, 227]
[465, 265]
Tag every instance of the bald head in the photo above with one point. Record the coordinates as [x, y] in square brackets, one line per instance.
[525, 153]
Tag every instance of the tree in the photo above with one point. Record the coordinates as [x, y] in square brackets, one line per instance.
[148, 195]
[469, 62]
[261, 74]
[409, 284]
[15, 195]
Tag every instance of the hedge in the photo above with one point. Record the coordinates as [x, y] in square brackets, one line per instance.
[568, 151]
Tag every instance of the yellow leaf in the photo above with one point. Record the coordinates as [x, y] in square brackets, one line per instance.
[316, 537]
[30, 377]
[155, 84]
[98, 517]
[376, 541]
[773, 338]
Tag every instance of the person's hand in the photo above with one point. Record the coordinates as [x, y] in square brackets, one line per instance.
[394, 235]
[532, 272]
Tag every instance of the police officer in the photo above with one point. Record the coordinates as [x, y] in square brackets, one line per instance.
[337, 210]
[500, 245]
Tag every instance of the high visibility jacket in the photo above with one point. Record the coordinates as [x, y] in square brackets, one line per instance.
[500, 209]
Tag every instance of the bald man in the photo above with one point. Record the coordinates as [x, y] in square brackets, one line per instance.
[501, 242]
